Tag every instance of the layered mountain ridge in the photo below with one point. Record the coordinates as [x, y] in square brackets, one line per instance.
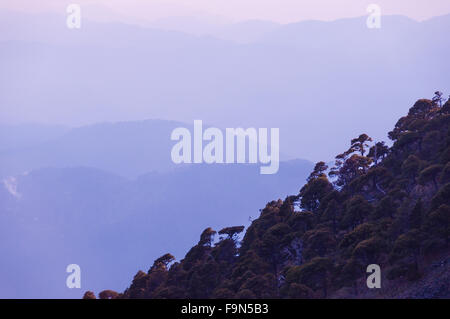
[381, 205]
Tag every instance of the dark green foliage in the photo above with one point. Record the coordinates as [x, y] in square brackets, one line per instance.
[442, 197]
[356, 211]
[378, 152]
[360, 144]
[445, 175]
[347, 169]
[262, 286]
[411, 166]
[319, 171]
[360, 233]
[386, 207]
[299, 291]
[318, 242]
[89, 295]
[314, 191]
[389, 206]
[407, 249]
[108, 294]
[430, 174]
[231, 232]
[245, 294]
[437, 225]
[207, 236]
[314, 274]
[351, 271]
[223, 293]
[416, 216]
[368, 251]
[162, 262]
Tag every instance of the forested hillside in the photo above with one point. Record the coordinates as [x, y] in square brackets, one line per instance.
[378, 205]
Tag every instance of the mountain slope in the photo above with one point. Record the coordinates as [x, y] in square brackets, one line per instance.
[384, 206]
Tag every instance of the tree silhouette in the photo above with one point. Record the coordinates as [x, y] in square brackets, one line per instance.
[319, 170]
[349, 169]
[163, 261]
[89, 295]
[379, 150]
[108, 294]
[437, 98]
[313, 192]
[349, 165]
[232, 232]
[359, 144]
[207, 237]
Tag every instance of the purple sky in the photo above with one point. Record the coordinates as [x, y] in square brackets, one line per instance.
[283, 11]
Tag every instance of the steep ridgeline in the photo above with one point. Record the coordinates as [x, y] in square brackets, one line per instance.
[378, 205]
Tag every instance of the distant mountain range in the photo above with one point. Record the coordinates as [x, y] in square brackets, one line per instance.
[107, 196]
[111, 225]
[127, 149]
[72, 195]
[338, 74]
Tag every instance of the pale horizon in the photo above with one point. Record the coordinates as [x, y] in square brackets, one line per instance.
[218, 11]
